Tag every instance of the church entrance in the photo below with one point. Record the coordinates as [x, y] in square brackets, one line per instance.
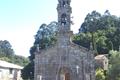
[67, 76]
[64, 74]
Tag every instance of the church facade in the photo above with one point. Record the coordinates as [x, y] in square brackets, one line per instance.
[65, 60]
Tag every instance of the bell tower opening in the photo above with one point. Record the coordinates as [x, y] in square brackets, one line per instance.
[63, 19]
[63, 3]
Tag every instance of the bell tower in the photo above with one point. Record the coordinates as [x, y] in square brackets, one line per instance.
[64, 22]
[64, 15]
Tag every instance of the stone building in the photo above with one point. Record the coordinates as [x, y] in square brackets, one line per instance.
[65, 60]
[10, 71]
[101, 61]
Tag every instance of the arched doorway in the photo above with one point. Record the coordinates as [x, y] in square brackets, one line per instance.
[64, 74]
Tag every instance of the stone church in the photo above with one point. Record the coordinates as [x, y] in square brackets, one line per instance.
[65, 60]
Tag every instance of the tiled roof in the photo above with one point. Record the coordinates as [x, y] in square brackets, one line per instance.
[5, 64]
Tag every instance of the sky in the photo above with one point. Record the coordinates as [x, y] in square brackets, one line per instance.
[20, 19]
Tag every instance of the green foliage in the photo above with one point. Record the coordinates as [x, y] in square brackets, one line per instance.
[46, 34]
[95, 21]
[45, 38]
[103, 30]
[90, 22]
[6, 48]
[20, 60]
[7, 54]
[28, 71]
[5, 59]
[98, 40]
[114, 66]
[83, 39]
[100, 74]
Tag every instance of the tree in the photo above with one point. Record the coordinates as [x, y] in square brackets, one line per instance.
[103, 29]
[85, 39]
[82, 39]
[114, 66]
[113, 35]
[7, 54]
[20, 60]
[6, 48]
[28, 71]
[90, 22]
[45, 38]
